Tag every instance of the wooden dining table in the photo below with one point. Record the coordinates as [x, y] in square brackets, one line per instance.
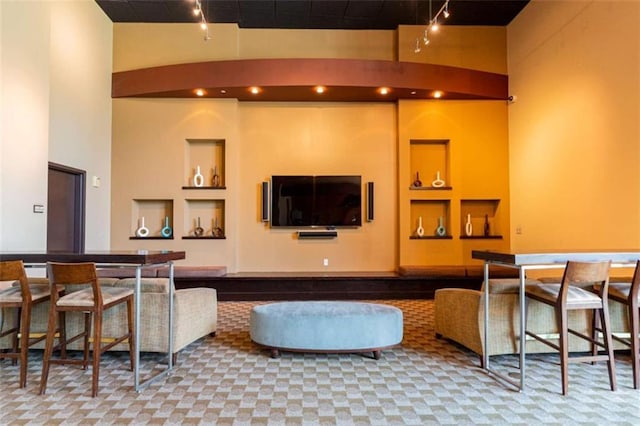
[139, 259]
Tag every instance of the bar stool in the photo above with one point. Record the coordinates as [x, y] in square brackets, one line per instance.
[629, 294]
[576, 293]
[22, 298]
[92, 302]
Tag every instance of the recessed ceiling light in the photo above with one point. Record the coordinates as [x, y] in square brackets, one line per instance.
[320, 89]
[255, 90]
[223, 91]
[384, 90]
[200, 92]
[437, 94]
[413, 92]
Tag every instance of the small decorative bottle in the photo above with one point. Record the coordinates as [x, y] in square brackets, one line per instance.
[166, 230]
[198, 179]
[142, 231]
[468, 227]
[199, 230]
[215, 181]
[420, 229]
[437, 182]
[487, 228]
[417, 183]
[441, 231]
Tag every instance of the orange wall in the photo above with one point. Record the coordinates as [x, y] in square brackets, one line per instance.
[574, 130]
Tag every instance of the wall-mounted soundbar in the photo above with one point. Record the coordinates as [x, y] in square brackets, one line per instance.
[302, 235]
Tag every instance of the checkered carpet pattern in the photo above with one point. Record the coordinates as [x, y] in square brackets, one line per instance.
[228, 380]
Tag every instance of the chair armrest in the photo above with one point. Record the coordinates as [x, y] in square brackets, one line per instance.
[456, 316]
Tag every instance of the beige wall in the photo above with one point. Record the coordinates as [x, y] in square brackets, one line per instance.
[263, 139]
[574, 130]
[55, 106]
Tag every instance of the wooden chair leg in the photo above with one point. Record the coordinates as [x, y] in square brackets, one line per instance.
[97, 350]
[634, 319]
[24, 343]
[561, 315]
[62, 334]
[132, 336]
[48, 350]
[608, 342]
[87, 335]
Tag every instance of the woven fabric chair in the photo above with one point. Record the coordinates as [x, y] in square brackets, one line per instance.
[21, 299]
[577, 292]
[92, 300]
[629, 295]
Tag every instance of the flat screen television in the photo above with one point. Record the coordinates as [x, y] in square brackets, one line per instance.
[316, 201]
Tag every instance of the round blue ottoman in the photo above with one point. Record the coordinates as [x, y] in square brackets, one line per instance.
[330, 327]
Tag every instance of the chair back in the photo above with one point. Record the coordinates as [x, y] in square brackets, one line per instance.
[13, 270]
[586, 275]
[635, 284]
[74, 274]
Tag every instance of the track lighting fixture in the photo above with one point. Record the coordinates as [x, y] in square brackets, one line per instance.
[197, 11]
[433, 23]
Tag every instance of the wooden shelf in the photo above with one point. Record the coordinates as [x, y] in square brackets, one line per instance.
[431, 237]
[204, 187]
[151, 238]
[430, 188]
[191, 237]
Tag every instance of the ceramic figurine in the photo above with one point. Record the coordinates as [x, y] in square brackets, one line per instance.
[199, 230]
[198, 179]
[417, 183]
[441, 231]
[468, 227]
[215, 181]
[437, 183]
[166, 230]
[420, 229]
[487, 228]
[142, 231]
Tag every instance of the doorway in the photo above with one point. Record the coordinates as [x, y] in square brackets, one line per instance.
[66, 209]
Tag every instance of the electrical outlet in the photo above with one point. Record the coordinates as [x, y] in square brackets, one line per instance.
[519, 230]
[325, 261]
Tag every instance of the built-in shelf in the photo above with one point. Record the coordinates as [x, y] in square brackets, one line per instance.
[192, 237]
[430, 188]
[207, 156]
[156, 214]
[151, 238]
[481, 237]
[204, 187]
[431, 237]
[207, 214]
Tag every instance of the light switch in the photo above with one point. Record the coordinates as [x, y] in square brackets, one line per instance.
[38, 208]
[96, 182]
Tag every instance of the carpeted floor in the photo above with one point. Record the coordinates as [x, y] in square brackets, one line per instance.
[228, 380]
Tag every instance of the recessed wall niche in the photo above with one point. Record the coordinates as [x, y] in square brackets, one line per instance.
[155, 214]
[204, 219]
[206, 158]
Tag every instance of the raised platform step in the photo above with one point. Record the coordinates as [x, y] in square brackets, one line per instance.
[326, 286]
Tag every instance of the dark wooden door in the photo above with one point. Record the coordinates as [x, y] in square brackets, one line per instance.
[65, 207]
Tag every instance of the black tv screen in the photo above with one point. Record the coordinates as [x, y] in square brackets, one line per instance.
[316, 201]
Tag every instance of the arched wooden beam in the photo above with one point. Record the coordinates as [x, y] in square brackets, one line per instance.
[294, 80]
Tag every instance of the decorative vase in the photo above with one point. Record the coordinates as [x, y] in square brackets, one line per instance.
[417, 183]
[142, 231]
[420, 229]
[468, 227]
[441, 231]
[216, 231]
[487, 228]
[166, 230]
[215, 181]
[199, 230]
[198, 179]
[437, 182]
